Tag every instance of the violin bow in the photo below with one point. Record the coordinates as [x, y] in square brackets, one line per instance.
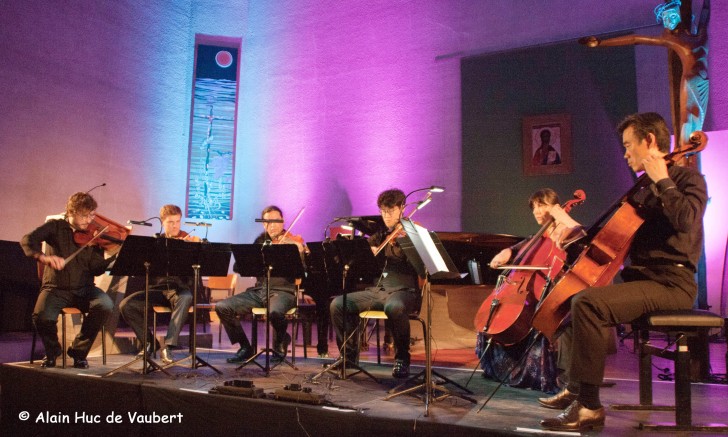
[73, 255]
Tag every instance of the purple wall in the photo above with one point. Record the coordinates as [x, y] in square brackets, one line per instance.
[338, 100]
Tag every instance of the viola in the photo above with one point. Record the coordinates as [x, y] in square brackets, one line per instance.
[103, 232]
[602, 258]
[506, 313]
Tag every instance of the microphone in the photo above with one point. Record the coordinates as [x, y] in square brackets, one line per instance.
[260, 220]
[203, 224]
[97, 186]
[138, 222]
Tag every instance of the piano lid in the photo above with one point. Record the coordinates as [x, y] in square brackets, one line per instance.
[465, 246]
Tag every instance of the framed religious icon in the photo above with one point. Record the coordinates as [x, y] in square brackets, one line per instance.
[547, 145]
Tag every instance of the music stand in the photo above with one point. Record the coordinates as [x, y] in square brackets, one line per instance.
[261, 260]
[140, 256]
[357, 258]
[204, 259]
[429, 258]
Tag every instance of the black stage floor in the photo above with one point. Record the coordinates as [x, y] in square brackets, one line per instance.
[354, 406]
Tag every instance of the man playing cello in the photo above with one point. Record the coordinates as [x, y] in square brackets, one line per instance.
[664, 255]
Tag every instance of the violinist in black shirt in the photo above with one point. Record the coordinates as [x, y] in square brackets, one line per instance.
[68, 281]
[396, 292]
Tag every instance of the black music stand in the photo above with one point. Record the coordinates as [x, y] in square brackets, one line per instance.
[356, 258]
[140, 256]
[203, 259]
[428, 256]
[261, 260]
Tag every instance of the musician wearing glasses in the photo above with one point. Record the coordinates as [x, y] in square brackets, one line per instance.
[396, 292]
[68, 280]
[282, 295]
[172, 291]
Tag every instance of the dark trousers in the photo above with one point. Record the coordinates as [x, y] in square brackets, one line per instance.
[50, 302]
[397, 304]
[230, 309]
[595, 310]
[132, 309]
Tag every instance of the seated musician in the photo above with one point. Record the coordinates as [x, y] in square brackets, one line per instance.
[68, 283]
[538, 370]
[282, 296]
[396, 291]
[172, 291]
[663, 255]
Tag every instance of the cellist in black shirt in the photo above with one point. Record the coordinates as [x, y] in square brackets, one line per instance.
[664, 255]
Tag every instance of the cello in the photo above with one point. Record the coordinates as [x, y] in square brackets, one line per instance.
[602, 258]
[506, 313]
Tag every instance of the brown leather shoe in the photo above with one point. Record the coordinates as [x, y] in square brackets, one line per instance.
[576, 417]
[559, 401]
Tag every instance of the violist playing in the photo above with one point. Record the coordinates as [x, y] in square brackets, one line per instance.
[660, 276]
[282, 295]
[538, 370]
[68, 280]
[172, 291]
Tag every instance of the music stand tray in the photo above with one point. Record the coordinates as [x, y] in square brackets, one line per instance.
[140, 256]
[281, 260]
[428, 256]
[356, 259]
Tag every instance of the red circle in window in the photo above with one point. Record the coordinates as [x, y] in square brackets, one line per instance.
[224, 59]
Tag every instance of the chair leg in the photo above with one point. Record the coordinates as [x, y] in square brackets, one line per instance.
[32, 345]
[103, 344]
[63, 340]
[379, 348]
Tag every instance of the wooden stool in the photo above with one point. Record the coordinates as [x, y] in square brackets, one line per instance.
[678, 325]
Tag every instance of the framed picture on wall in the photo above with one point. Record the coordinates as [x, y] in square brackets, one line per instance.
[547, 145]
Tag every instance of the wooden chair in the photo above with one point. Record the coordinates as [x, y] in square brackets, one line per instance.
[66, 312]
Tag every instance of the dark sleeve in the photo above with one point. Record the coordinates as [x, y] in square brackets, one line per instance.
[683, 199]
[97, 263]
[32, 242]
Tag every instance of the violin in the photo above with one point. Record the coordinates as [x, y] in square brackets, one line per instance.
[506, 313]
[102, 232]
[186, 236]
[603, 257]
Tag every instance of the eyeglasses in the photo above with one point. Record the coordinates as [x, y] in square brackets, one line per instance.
[390, 212]
[89, 216]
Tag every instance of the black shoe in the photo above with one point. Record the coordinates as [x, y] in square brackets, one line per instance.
[281, 347]
[400, 369]
[78, 361]
[242, 355]
[48, 362]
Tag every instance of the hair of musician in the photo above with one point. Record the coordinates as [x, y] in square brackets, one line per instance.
[80, 202]
[391, 198]
[648, 123]
[168, 210]
[547, 196]
[270, 208]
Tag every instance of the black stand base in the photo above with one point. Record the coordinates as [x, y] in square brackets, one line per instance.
[197, 362]
[430, 389]
[150, 366]
[267, 368]
[339, 368]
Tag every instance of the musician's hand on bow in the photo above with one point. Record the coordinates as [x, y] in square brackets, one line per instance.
[56, 262]
[501, 258]
[655, 165]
